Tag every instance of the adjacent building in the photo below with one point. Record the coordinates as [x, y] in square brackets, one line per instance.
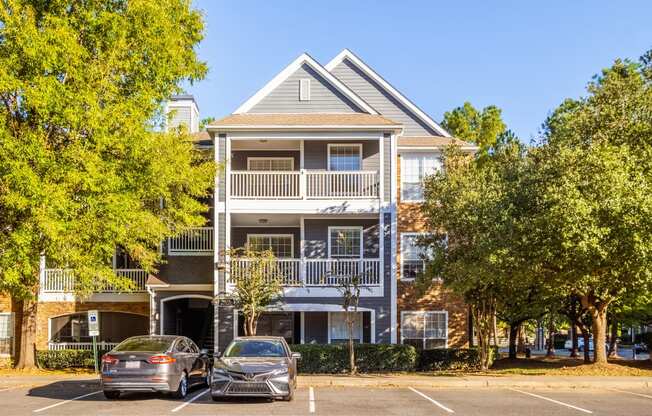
[324, 166]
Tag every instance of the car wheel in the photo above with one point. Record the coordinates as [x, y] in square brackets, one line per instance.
[182, 390]
[111, 394]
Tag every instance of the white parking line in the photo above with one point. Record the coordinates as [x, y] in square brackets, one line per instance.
[632, 393]
[192, 399]
[432, 400]
[311, 400]
[553, 401]
[66, 401]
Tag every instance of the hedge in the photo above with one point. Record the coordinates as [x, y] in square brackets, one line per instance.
[61, 359]
[370, 358]
[465, 359]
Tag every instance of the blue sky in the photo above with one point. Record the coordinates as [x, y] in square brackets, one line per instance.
[522, 57]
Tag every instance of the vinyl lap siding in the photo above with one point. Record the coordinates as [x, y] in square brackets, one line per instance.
[179, 116]
[323, 97]
[380, 100]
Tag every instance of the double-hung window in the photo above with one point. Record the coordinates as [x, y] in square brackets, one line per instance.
[424, 329]
[414, 168]
[339, 329]
[270, 163]
[282, 245]
[344, 157]
[413, 256]
[345, 242]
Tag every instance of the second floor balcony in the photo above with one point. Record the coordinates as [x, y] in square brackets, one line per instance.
[63, 281]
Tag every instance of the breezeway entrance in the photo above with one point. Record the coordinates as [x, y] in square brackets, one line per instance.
[190, 316]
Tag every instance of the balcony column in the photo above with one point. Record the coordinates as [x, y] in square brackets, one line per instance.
[302, 250]
[303, 191]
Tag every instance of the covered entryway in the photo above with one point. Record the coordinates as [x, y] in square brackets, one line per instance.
[190, 316]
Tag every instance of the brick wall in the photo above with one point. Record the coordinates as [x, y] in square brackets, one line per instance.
[410, 219]
[48, 310]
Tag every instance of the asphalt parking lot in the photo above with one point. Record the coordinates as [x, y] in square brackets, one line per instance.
[74, 397]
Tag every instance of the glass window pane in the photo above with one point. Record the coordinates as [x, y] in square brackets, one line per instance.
[345, 158]
[339, 329]
[281, 245]
[412, 325]
[273, 164]
[414, 168]
[345, 242]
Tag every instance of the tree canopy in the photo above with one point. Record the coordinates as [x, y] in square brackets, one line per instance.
[82, 168]
[482, 127]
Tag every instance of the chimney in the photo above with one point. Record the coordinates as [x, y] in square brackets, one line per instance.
[182, 110]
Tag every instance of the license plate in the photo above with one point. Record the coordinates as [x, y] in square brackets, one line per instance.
[132, 364]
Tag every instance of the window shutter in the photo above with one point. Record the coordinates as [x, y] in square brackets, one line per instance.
[304, 90]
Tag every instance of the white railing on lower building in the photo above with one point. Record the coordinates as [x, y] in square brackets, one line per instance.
[63, 281]
[316, 272]
[193, 241]
[102, 346]
[304, 184]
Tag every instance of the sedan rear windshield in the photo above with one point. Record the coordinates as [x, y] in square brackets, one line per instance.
[144, 344]
[250, 348]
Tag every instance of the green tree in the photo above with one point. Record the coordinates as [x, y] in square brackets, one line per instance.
[81, 170]
[205, 122]
[484, 128]
[257, 282]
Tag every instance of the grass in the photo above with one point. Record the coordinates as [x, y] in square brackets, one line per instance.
[565, 366]
[13, 372]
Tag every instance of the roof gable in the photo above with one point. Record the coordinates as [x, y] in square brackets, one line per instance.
[281, 93]
[384, 97]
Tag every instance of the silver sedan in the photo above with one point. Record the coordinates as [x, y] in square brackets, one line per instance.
[165, 363]
[255, 366]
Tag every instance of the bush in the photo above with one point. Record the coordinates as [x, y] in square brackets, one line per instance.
[464, 359]
[62, 359]
[370, 358]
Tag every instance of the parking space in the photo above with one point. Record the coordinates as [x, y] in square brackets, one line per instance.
[82, 398]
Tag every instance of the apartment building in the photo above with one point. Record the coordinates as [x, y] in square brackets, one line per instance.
[324, 166]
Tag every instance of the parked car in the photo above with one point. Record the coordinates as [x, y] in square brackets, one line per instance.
[255, 366]
[580, 344]
[166, 363]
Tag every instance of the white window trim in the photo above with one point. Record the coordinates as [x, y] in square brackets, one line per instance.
[400, 237]
[276, 235]
[346, 227]
[250, 158]
[331, 145]
[437, 155]
[12, 327]
[361, 334]
[423, 313]
[304, 88]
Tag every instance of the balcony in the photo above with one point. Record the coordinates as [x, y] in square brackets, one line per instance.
[304, 184]
[197, 241]
[316, 272]
[63, 281]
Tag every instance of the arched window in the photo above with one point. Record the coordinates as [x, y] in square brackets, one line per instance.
[114, 327]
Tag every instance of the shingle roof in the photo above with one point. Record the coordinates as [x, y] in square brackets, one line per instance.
[431, 141]
[305, 119]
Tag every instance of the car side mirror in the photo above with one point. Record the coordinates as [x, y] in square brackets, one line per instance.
[203, 351]
[296, 355]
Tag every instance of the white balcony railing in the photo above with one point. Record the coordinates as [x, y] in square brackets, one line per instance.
[63, 281]
[101, 346]
[304, 184]
[194, 241]
[317, 272]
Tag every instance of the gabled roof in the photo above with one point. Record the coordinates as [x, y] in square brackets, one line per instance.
[351, 57]
[303, 120]
[293, 67]
[427, 142]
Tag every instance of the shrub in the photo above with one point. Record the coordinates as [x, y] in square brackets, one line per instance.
[370, 358]
[464, 359]
[62, 359]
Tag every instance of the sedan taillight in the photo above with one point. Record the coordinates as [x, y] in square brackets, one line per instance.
[109, 359]
[160, 359]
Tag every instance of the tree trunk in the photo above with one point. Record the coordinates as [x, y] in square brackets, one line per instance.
[27, 348]
[599, 315]
[483, 319]
[613, 340]
[513, 337]
[586, 337]
[494, 329]
[551, 336]
[349, 324]
[574, 342]
[520, 349]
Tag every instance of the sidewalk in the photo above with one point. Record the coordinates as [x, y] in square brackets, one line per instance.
[415, 380]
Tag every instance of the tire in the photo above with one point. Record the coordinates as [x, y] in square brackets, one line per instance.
[216, 398]
[111, 394]
[182, 390]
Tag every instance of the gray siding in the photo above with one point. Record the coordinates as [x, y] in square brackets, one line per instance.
[239, 235]
[316, 328]
[179, 116]
[323, 97]
[387, 167]
[221, 244]
[316, 235]
[223, 327]
[380, 100]
[239, 158]
[315, 154]
[187, 270]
